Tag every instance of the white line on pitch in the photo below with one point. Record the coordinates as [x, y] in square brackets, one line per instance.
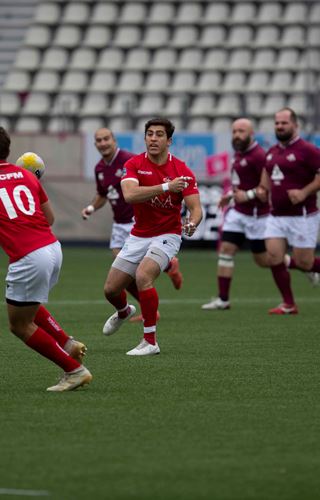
[24, 493]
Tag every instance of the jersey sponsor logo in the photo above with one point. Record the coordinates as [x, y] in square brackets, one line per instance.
[160, 203]
[291, 157]
[11, 175]
[119, 172]
[112, 194]
[144, 172]
[277, 175]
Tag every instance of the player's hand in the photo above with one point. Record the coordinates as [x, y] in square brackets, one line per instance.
[240, 196]
[296, 196]
[189, 227]
[179, 184]
[225, 199]
[86, 212]
[262, 194]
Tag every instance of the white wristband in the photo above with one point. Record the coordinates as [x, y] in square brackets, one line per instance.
[251, 193]
[165, 186]
[90, 209]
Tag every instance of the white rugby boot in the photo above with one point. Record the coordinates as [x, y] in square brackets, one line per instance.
[216, 304]
[114, 322]
[144, 349]
[72, 380]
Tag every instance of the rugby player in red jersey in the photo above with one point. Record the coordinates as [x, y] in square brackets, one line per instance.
[108, 173]
[156, 183]
[246, 217]
[34, 264]
[292, 177]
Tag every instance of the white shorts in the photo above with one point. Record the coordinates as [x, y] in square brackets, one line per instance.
[31, 278]
[300, 231]
[252, 227]
[136, 248]
[119, 234]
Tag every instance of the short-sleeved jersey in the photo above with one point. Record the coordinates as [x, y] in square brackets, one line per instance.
[246, 171]
[108, 178]
[292, 167]
[23, 226]
[161, 214]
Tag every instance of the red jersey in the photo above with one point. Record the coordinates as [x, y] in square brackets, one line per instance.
[292, 167]
[23, 226]
[161, 214]
[108, 177]
[246, 171]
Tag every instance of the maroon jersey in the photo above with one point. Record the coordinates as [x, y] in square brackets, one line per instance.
[108, 177]
[161, 214]
[292, 167]
[23, 226]
[245, 174]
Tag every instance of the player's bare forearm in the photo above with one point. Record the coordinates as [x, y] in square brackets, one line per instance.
[195, 214]
[97, 202]
[299, 195]
[134, 193]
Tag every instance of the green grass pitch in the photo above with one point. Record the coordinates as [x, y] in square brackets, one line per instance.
[228, 411]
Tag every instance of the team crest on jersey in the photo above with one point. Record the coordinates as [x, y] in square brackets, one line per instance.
[243, 162]
[277, 175]
[112, 194]
[291, 157]
[269, 157]
[119, 172]
[235, 179]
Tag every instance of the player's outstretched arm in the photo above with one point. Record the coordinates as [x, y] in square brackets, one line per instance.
[97, 202]
[195, 214]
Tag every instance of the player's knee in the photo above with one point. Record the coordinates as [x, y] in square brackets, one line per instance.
[225, 260]
[143, 279]
[305, 264]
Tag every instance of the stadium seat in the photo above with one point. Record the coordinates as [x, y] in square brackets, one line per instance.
[215, 59]
[295, 12]
[314, 16]
[138, 58]
[121, 124]
[209, 81]
[105, 14]
[240, 59]
[313, 39]
[234, 81]
[229, 105]
[83, 58]
[46, 81]
[304, 81]
[94, 105]
[267, 37]
[156, 37]
[130, 81]
[293, 36]
[221, 125]
[184, 36]
[92, 124]
[110, 58]
[212, 36]
[188, 13]
[97, 37]
[66, 104]
[127, 37]
[264, 59]
[76, 13]
[269, 12]
[199, 124]
[203, 105]
[67, 37]
[157, 81]
[184, 81]
[103, 81]
[311, 59]
[190, 59]
[253, 104]
[299, 103]
[47, 13]
[28, 59]
[38, 36]
[74, 81]
[161, 13]
[150, 105]
[9, 103]
[258, 81]
[216, 13]
[6, 123]
[55, 59]
[164, 59]
[272, 103]
[243, 12]
[280, 81]
[123, 105]
[266, 125]
[288, 59]
[29, 124]
[133, 13]
[36, 104]
[240, 36]
[176, 105]
[17, 80]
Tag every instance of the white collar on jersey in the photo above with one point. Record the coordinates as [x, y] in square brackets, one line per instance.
[113, 158]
